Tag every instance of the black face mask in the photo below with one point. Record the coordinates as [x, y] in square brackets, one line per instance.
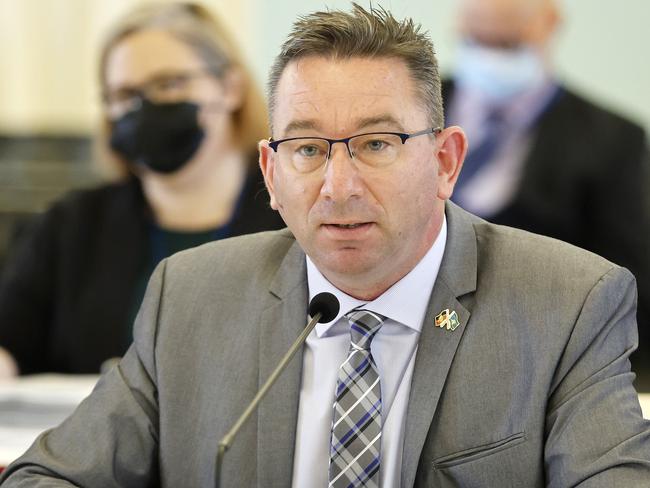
[163, 137]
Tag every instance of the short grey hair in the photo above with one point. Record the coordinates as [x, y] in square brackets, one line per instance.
[371, 33]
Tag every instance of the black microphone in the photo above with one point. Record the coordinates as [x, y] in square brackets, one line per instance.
[325, 304]
[322, 308]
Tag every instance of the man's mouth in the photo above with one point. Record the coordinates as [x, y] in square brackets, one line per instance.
[349, 226]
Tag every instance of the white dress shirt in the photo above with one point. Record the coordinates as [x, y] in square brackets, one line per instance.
[393, 348]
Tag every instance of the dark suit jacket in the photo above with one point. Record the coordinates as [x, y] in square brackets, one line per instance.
[586, 181]
[532, 389]
[67, 293]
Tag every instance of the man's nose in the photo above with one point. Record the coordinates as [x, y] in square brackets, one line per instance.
[342, 178]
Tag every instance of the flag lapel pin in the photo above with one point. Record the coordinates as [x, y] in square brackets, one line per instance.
[447, 319]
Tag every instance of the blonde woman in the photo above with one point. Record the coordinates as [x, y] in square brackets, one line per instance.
[182, 120]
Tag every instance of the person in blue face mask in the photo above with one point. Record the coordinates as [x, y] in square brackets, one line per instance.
[182, 121]
[542, 157]
[504, 47]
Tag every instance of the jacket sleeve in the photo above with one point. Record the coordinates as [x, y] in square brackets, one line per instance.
[111, 440]
[595, 432]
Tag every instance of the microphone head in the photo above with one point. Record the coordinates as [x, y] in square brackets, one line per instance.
[325, 303]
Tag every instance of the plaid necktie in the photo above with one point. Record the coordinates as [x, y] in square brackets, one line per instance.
[356, 427]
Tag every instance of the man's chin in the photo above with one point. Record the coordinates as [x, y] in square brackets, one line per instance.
[349, 262]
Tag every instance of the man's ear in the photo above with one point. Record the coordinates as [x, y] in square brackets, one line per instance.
[451, 147]
[267, 165]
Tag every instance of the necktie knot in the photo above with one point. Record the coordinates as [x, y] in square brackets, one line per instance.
[364, 324]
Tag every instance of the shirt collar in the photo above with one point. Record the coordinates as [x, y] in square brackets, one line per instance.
[405, 302]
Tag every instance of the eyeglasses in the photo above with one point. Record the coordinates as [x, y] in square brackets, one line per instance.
[164, 88]
[374, 149]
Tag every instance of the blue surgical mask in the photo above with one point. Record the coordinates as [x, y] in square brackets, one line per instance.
[498, 74]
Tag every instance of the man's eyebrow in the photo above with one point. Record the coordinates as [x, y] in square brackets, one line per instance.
[364, 123]
[295, 125]
[384, 119]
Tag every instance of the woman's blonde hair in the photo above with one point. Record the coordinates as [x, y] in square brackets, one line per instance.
[204, 33]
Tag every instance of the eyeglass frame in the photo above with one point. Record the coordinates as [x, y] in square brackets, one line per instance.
[140, 92]
[404, 136]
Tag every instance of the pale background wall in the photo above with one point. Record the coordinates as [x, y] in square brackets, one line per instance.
[48, 51]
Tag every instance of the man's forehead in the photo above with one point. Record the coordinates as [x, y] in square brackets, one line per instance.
[384, 121]
[375, 75]
[358, 92]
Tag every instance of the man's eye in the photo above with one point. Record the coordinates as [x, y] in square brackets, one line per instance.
[376, 145]
[308, 151]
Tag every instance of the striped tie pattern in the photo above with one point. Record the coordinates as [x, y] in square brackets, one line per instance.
[356, 426]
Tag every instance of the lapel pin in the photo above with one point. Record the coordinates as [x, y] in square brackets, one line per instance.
[447, 319]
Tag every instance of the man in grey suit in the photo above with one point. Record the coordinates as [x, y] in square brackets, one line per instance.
[464, 353]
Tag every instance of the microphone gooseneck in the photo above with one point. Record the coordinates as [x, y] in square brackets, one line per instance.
[323, 308]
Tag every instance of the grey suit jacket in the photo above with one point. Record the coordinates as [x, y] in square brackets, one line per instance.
[532, 389]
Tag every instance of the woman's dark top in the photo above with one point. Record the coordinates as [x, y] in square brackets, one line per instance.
[70, 288]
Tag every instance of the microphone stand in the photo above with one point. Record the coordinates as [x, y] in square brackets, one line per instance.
[226, 441]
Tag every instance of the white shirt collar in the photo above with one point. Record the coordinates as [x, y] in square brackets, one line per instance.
[405, 302]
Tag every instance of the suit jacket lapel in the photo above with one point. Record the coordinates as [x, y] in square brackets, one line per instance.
[284, 316]
[437, 346]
